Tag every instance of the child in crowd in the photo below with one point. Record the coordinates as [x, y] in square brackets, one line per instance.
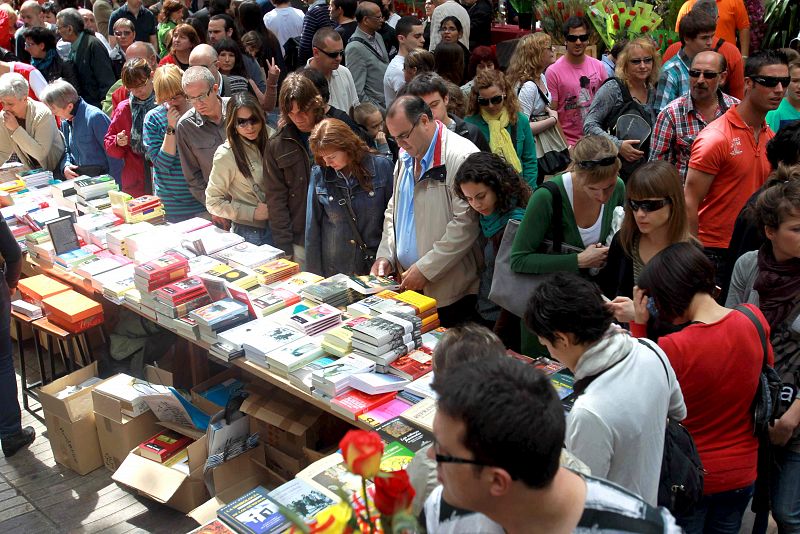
[370, 118]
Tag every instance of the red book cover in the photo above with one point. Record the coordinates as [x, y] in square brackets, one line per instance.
[78, 326]
[163, 446]
[413, 365]
[355, 402]
[181, 291]
[161, 266]
[143, 203]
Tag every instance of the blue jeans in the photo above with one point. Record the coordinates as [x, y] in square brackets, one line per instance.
[785, 488]
[10, 416]
[719, 513]
[251, 234]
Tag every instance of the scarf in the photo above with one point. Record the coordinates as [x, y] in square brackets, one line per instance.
[491, 224]
[500, 140]
[73, 51]
[139, 109]
[44, 63]
[778, 285]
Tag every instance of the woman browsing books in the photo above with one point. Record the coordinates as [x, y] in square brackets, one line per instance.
[348, 193]
[235, 186]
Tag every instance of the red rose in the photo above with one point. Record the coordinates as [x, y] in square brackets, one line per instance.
[560, 5]
[621, 10]
[579, 13]
[669, 41]
[615, 18]
[632, 12]
[627, 23]
[362, 452]
[645, 29]
[393, 492]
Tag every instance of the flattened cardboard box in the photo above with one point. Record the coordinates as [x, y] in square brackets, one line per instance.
[166, 485]
[70, 422]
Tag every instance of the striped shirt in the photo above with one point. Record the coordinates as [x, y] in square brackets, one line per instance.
[169, 182]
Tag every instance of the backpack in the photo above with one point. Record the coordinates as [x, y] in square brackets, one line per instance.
[630, 108]
[291, 56]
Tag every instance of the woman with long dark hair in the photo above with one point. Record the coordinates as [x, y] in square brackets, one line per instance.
[249, 19]
[235, 188]
[451, 31]
[449, 61]
[348, 192]
[229, 58]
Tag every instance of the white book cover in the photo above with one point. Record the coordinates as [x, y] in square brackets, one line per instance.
[421, 387]
[333, 378]
[375, 383]
[296, 354]
[265, 336]
[116, 281]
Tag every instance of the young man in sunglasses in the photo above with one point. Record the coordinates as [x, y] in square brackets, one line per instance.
[728, 160]
[574, 79]
[696, 31]
[497, 451]
[328, 50]
[789, 110]
[679, 124]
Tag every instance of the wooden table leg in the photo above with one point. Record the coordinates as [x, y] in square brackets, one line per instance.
[191, 364]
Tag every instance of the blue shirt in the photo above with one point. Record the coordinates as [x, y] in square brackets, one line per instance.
[84, 136]
[405, 229]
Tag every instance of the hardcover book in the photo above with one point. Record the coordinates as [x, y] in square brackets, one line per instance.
[353, 402]
[163, 446]
[253, 513]
[413, 365]
[403, 430]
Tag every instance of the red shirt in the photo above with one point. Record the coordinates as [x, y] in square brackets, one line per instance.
[133, 171]
[717, 366]
[734, 84]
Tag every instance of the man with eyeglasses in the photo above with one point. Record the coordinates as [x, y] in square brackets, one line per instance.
[448, 8]
[124, 33]
[728, 162]
[143, 21]
[32, 16]
[789, 110]
[430, 235]
[409, 37]
[328, 50]
[201, 131]
[504, 463]
[679, 124]
[367, 56]
[284, 21]
[696, 31]
[574, 79]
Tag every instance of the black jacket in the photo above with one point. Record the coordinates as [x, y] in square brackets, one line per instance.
[480, 24]
[94, 70]
[471, 132]
[60, 68]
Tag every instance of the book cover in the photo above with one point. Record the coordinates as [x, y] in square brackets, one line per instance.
[163, 446]
[181, 291]
[396, 457]
[161, 267]
[422, 386]
[379, 331]
[301, 497]
[413, 365]
[275, 270]
[218, 311]
[265, 336]
[384, 412]
[213, 527]
[308, 319]
[269, 300]
[353, 402]
[375, 383]
[295, 354]
[422, 413]
[253, 513]
[330, 473]
[297, 282]
[370, 284]
[402, 430]
[419, 301]
[334, 378]
[301, 378]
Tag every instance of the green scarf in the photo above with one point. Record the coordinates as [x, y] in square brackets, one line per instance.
[73, 51]
[500, 140]
[491, 224]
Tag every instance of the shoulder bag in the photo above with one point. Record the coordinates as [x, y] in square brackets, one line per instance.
[367, 254]
[510, 290]
[551, 149]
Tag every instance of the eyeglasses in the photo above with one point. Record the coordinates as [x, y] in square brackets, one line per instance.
[122, 33]
[648, 206]
[494, 100]
[404, 137]
[177, 96]
[448, 30]
[771, 81]
[375, 17]
[707, 74]
[252, 120]
[639, 60]
[445, 459]
[332, 55]
[199, 98]
[574, 38]
[592, 163]
[138, 86]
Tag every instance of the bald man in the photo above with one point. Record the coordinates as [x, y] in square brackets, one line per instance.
[117, 93]
[204, 55]
[91, 24]
[31, 15]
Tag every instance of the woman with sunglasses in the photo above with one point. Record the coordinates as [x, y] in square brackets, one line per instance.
[184, 39]
[770, 279]
[452, 31]
[655, 218]
[124, 138]
[235, 188]
[636, 75]
[493, 108]
[348, 192]
[590, 190]
[169, 182]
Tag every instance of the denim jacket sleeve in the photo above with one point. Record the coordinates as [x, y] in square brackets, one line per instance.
[313, 223]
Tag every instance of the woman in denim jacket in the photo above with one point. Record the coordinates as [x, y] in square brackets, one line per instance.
[348, 182]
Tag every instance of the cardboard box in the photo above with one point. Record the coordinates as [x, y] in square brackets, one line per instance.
[117, 438]
[117, 399]
[166, 485]
[285, 465]
[70, 422]
[232, 373]
[283, 421]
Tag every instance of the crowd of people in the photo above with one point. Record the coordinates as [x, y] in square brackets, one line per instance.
[364, 142]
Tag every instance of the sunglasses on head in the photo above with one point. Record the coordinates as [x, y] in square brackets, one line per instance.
[574, 38]
[494, 100]
[592, 163]
[648, 206]
[639, 60]
[771, 81]
[332, 55]
[707, 74]
[251, 121]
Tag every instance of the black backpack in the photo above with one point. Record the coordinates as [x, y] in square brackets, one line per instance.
[291, 56]
[629, 107]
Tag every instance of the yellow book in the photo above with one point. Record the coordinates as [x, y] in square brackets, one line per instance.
[419, 301]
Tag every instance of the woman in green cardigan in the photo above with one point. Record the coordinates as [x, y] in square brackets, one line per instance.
[494, 108]
[590, 190]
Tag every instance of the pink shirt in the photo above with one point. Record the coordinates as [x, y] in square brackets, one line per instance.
[573, 88]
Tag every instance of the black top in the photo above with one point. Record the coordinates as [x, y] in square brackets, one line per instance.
[144, 22]
[9, 249]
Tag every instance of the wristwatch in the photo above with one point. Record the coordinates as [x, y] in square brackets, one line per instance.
[170, 130]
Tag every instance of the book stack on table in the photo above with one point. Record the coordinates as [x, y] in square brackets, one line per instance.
[31, 311]
[424, 308]
[334, 379]
[93, 191]
[116, 238]
[383, 339]
[157, 273]
[116, 283]
[339, 341]
[179, 298]
[248, 255]
[294, 355]
[267, 300]
[72, 311]
[267, 336]
[218, 317]
[335, 291]
[315, 320]
[276, 270]
[36, 178]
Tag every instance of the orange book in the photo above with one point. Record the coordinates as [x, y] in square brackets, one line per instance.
[37, 288]
[71, 306]
[78, 326]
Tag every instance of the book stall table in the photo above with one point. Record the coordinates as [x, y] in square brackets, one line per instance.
[18, 321]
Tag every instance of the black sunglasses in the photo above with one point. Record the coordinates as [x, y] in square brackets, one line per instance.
[648, 206]
[771, 81]
[251, 121]
[496, 99]
[444, 459]
[639, 60]
[573, 38]
[332, 55]
[707, 74]
[592, 163]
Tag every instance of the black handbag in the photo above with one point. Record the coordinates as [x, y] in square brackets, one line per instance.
[551, 150]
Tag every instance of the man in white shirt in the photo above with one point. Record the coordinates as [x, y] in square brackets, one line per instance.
[284, 21]
[409, 36]
[448, 8]
[327, 49]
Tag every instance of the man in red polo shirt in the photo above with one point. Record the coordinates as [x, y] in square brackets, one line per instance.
[728, 162]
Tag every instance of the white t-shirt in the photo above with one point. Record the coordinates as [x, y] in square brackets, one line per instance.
[285, 23]
[590, 236]
[530, 101]
[393, 79]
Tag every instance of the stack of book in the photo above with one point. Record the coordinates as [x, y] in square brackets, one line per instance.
[242, 278]
[230, 340]
[72, 311]
[339, 341]
[383, 339]
[294, 355]
[276, 270]
[301, 378]
[217, 317]
[379, 303]
[117, 238]
[425, 308]
[86, 224]
[36, 178]
[334, 379]
[115, 283]
[267, 300]
[266, 336]
[144, 208]
[37, 238]
[413, 365]
[100, 265]
[335, 291]
[210, 240]
[160, 272]
[370, 284]
[163, 446]
[90, 188]
[179, 298]
[248, 255]
[31, 311]
[35, 289]
[353, 402]
[12, 186]
[190, 225]
[152, 244]
[72, 259]
[297, 282]
[315, 320]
